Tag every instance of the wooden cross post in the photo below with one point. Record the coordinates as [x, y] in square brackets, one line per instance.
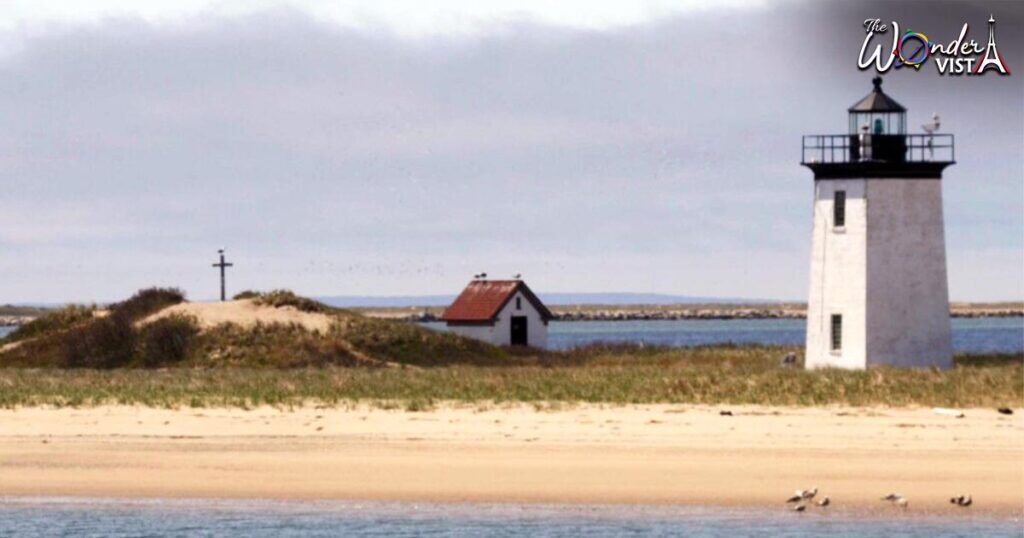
[223, 265]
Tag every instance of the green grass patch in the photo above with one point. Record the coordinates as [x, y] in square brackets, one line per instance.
[710, 375]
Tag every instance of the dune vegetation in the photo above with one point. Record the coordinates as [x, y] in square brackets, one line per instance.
[125, 354]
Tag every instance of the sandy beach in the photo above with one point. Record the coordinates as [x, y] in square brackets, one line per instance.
[623, 454]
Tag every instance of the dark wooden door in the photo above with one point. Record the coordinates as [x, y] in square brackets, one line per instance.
[519, 336]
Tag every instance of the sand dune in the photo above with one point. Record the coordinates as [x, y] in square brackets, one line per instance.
[244, 312]
[633, 454]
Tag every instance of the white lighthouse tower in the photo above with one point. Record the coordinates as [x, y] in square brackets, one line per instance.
[878, 288]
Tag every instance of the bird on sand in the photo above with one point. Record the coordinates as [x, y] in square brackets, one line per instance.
[808, 493]
[825, 501]
[800, 508]
[962, 500]
[892, 497]
[794, 499]
[902, 502]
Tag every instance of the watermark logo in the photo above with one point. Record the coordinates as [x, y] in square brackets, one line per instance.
[912, 49]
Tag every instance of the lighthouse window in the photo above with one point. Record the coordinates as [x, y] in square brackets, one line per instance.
[519, 303]
[839, 209]
[837, 332]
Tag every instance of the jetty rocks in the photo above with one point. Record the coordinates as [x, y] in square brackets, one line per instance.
[14, 321]
[718, 312]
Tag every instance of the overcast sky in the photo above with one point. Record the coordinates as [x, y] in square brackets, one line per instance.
[391, 148]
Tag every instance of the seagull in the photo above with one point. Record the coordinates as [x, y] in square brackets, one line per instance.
[808, 493]
[518, 276]
[794, 499]
[902, 502]
[961, 500]
[824, 501]
[892, 497]
[930, 128]
[800, 508]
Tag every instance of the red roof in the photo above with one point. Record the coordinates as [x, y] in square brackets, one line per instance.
[483, 299]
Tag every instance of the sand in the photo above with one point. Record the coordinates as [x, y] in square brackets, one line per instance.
[592, 454]
[246, 313]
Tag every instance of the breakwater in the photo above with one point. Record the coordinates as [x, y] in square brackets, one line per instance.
[692, 314]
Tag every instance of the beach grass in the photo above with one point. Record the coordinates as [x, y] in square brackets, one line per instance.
[78, 357]
[619, 375]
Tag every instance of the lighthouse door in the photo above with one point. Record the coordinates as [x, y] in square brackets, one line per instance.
[518, 336]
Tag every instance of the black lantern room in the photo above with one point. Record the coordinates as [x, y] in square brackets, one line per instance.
[881, 114]
[876, 144]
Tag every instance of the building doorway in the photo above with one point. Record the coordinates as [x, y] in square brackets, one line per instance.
[519, 336]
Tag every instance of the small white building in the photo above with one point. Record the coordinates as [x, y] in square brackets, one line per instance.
[878, 290]
[499, 312]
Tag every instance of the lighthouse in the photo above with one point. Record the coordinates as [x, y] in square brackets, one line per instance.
[878, 288]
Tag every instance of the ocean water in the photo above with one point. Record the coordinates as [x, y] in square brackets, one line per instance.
[284, 519]
[974, 335]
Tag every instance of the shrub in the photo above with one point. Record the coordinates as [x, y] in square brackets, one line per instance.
[147, 301]
[279, 298]
[56, 320]
[167, 340]
[106, 342]
[247, 294]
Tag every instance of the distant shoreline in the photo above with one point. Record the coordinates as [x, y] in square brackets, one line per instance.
[642, 312]
[683, 312]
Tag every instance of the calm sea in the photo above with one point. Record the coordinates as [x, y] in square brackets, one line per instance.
[283, 519]
[974, 335]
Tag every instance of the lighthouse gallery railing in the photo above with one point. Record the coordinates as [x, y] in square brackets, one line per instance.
[819, 149]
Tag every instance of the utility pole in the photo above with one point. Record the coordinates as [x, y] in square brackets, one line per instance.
[223, 265]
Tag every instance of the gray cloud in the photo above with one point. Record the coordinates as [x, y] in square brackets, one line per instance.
[660, 157]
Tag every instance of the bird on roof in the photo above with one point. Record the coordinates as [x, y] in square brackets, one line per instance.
[518, 276]
[483, 275]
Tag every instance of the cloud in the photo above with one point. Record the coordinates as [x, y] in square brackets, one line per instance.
[659, 156]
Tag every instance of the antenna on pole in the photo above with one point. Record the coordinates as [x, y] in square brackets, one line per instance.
[222, 265]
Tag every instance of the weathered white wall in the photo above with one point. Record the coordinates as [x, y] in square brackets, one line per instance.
[907, 293]
[500, 332]
[884, 271]
[837, 277]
